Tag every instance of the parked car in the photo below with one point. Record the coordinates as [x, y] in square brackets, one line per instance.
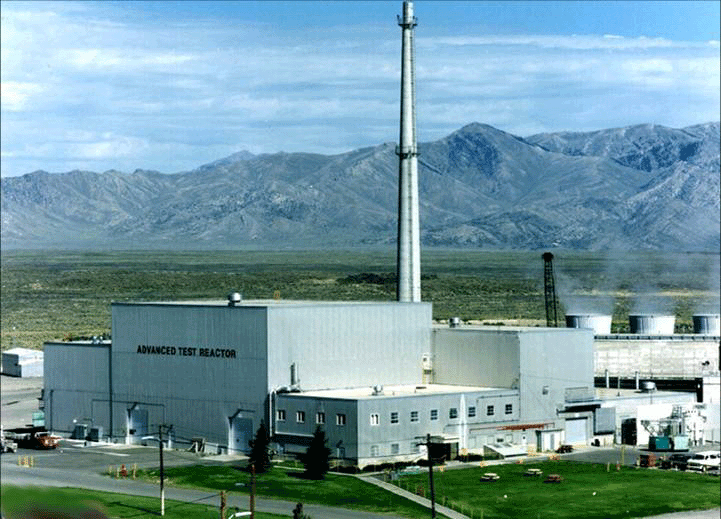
[704, 461]
[8, 445]
[676, 461]
[564, 449]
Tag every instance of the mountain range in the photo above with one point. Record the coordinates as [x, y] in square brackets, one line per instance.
[639, 187]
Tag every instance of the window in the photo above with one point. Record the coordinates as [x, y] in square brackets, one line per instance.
[509, 408]
[394, 417]
[490, 411]
[453, 413]
[395, 448]
[280, 415]
[320, 418]
[471, 411]
[414, 416]
[375, 419]
[434, 414]
[374, 451]
[300, 416]
[415, 447]
[340, 419]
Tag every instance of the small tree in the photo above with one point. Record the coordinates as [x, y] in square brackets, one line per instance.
[317, 458]
[260, 450]
[298, 512]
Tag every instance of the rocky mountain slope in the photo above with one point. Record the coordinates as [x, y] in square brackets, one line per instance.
[638, 187]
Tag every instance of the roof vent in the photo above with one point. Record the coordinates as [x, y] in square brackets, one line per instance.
[377, 390]
[234, 298]
[647, 386]
[454, 322]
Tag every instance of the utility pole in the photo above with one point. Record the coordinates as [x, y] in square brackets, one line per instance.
[428, 444]
[162, 474]
[162, 471]
[252, 491]
[223, 504]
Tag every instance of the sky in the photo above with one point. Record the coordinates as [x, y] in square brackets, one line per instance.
[169, 86]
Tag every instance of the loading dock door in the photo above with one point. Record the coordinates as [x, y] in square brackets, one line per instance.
[241, 432]
[576, 430]
[137, 423]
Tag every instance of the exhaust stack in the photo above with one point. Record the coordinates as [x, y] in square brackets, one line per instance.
[409, 249]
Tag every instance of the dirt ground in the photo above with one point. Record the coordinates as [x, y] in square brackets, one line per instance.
[18, 400]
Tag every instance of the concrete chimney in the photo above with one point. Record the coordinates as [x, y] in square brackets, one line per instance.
[409, 248]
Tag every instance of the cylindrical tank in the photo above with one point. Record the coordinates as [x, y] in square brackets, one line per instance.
[600, 324]
[706, 324]
[652, 324]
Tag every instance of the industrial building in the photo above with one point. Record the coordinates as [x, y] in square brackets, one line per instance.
[378, 377]
[375, 375]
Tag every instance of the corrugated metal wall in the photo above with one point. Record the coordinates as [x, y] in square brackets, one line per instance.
[76, 385]
[185, 387]
[347, 345]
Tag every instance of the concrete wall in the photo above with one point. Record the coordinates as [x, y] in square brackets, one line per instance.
[541, 362]
[684, 356]
[347, 345]
[183, 385]
[477, 357]
[552, 360]
[77, 385]
[342, 439]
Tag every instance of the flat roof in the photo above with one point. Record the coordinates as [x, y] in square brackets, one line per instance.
[362, 393]
[261, 303]
[609, 393]
[504, 328]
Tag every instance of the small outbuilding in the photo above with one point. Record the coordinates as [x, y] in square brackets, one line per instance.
[22, 362]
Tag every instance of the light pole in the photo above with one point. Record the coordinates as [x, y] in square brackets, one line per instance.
[162, 475]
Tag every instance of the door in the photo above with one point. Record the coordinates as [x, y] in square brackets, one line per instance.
[241, 432]
[137, 424]
[576, 430]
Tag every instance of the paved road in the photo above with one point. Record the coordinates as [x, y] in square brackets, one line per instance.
[55, 477]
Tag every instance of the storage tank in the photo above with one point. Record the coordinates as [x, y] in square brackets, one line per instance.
[652, 324]
[599, 323]
[706, 324]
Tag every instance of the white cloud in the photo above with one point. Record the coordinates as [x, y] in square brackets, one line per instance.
[127, 94]
[16, 96]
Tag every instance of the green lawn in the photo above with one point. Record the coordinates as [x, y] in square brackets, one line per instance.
[71, 503]
[587, 491]
[334, 490]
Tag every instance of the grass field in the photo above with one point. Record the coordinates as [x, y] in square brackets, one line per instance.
[335, 490]
[58, 295]
[72, 503]
[587, 491]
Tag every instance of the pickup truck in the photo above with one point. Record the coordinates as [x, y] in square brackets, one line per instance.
[704, 461]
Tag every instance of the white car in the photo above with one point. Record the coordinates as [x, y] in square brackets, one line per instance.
[704, 461]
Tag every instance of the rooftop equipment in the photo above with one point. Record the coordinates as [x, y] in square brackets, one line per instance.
[706, 324]
[651, 324]
[234, 299]
[549, 290]
[600, 324]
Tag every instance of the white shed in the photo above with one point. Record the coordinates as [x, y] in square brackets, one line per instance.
[22, 362]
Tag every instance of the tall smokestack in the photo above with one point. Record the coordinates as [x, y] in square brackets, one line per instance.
[409, 248]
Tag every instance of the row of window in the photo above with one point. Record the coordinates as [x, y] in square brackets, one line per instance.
[280, 416]
[452, 414]
[375, 419]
